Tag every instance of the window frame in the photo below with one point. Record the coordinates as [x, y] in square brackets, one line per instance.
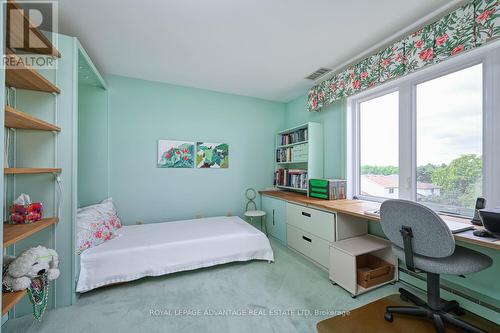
[489, 57]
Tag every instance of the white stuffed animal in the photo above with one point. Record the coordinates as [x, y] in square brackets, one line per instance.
[30, 264]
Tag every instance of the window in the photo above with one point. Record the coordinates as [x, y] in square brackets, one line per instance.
[431, 136]
[378, 135]
[449, 139]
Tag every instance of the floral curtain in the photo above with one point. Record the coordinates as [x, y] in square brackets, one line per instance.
[468, 27]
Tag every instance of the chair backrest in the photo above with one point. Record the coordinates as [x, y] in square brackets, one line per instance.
[251, 194]
[431, 236]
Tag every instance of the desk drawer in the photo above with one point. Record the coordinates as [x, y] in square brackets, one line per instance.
[316, 222]
[309, 245]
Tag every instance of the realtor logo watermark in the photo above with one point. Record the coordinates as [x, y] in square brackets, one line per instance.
[30, 34]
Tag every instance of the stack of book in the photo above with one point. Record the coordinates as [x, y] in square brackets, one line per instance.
[295, 178]
[294, 137]
[284, 155]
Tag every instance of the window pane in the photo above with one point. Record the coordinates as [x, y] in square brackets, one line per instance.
[378, 123]
[449, 139]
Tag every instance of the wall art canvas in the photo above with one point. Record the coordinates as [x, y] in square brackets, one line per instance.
[212, 155]
[175, 154]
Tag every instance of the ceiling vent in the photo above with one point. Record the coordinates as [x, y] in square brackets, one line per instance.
[319, 73]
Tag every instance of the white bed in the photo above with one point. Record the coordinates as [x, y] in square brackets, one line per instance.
[162, 248]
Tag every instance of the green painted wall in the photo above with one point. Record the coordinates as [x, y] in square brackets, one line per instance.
[142, 112]
[93, 162]
[482, 284]
[333, 120]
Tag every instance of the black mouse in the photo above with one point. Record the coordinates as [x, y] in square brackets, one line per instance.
[482, 233]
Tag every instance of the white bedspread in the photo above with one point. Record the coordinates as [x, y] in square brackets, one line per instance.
[162, 248]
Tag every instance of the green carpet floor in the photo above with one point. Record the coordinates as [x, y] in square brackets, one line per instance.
[253, 297]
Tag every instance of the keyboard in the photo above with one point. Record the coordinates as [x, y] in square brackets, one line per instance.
[373, 212]
[454, 226]
[457, 227]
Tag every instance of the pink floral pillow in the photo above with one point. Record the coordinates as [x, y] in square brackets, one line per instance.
[96, 224]
[107, 208]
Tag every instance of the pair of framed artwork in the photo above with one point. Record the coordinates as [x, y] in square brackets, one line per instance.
[182, 154]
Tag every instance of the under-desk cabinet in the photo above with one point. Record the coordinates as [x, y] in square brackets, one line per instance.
[345, 258]
[276, 217]
[311, 231]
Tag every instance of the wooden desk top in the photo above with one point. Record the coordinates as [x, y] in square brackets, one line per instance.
[358, 207]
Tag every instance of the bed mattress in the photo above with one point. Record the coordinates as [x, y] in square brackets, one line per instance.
[162, 248]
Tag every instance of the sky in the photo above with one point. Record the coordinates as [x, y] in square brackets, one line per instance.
[449, 121]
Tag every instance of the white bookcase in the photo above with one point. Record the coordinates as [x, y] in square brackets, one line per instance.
[303, 153]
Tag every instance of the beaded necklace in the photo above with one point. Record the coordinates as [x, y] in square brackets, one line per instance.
[38, 293]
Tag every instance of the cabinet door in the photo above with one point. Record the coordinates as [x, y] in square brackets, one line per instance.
[276, 217]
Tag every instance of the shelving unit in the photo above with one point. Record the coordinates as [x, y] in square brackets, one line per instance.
[16, 33]
[20, 76]
[306, 156]
[13, 233]
[30, 171]
[11, 299]
[25, 77]
[21, 120]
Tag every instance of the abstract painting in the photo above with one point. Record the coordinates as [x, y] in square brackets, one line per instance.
[212, 155]
[175, 154]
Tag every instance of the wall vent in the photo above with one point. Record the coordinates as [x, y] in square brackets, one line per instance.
[319, 73]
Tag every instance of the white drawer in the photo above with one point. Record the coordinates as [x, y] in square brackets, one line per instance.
[316, 222]
[309, 245]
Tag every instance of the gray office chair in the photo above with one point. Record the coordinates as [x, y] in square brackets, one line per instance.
[424, 242]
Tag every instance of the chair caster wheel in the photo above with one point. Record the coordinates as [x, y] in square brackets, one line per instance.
[388, 317]
[403, 298]
[459, 312]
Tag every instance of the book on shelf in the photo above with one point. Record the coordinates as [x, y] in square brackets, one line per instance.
[296, 178]
[283, 155]
[295, 153]
[294, 137]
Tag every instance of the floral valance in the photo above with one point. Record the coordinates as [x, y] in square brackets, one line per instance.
[468, 27]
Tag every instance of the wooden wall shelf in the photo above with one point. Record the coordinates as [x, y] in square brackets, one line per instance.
[30, 171]
[11, 299]
[25, 77]
[16, 34]
[13, 233]
[18, 119]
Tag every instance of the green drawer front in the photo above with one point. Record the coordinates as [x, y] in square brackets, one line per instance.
[318, 195]
[318, 182]
[319, 190]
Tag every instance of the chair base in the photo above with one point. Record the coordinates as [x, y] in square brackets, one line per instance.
[438, 314]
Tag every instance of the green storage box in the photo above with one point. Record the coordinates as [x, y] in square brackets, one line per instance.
[328, 189]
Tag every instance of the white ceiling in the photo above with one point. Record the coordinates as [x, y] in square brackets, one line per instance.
[259, 48]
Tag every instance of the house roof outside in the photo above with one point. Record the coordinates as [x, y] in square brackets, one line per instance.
[392, 181]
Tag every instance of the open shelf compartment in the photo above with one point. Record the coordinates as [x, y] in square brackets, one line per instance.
[343, 254]
[13, 233]
[20, 76]
[21, 120]
[9, 299]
